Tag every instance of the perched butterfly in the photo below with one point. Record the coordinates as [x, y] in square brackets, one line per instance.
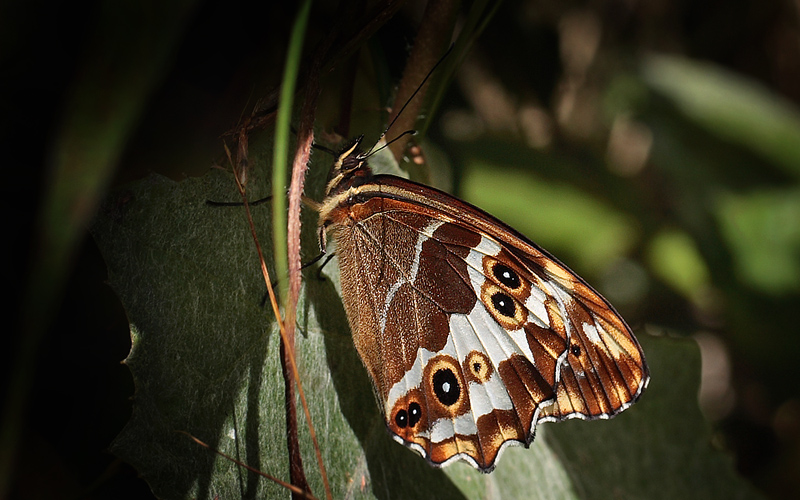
[472, 334]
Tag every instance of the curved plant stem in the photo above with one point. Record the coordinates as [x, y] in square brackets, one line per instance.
[280, 237]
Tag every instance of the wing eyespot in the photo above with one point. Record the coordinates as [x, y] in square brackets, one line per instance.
[506, 275]
[401, 419]
[415, 414]
[478, 367]
[446, 386]
[503, 307]
[408, 417]
[504, 304]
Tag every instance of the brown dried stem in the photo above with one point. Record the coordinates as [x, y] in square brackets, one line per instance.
[432, 39]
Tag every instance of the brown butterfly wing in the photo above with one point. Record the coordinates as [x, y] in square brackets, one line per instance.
[409, 294]
[601, 369]
[470, 332]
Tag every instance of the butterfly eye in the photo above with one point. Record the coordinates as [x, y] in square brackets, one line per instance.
[506, 276]
[446, 387]
[576, 350]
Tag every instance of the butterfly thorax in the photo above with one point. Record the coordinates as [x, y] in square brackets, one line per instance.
[350, 171]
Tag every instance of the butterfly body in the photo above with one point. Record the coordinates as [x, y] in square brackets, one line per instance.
[471, 333]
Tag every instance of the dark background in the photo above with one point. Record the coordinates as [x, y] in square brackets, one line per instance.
[217, 58]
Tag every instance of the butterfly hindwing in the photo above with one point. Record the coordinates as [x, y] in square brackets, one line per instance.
[471, 333]
[454, 383]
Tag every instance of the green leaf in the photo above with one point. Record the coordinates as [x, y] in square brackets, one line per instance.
[566, 218]
[762, 228]
[660, 448]
[205, 361]
[731, 106]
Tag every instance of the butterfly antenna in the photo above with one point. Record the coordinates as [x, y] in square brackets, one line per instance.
[371, 152]
[376, 151]
[325, 149]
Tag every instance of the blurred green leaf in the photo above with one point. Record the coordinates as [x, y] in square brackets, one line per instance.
[735, 108]
[561, 217]
[674, 258]
[763, 232]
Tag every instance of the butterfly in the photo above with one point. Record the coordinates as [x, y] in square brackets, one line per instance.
[471, 333]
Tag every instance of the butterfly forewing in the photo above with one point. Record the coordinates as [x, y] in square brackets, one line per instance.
[471, 333]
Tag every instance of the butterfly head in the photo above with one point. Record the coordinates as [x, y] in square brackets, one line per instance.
[350, 164]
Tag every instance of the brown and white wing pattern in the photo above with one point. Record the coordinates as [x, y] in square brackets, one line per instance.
[470, 332]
